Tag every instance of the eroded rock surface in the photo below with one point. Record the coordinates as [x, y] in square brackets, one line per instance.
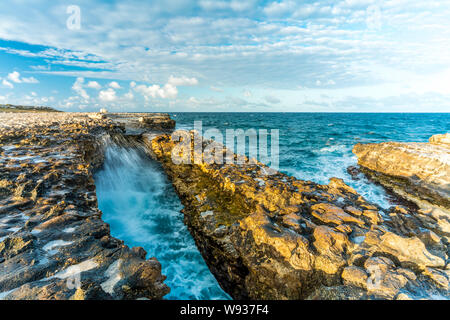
[53, 242]
[276, 237]
[419, 172]
[142, 122]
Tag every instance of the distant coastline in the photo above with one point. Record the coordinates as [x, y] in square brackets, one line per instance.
[19, 108]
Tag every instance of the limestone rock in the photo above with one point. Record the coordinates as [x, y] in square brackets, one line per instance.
[356, 276]
[406, 250]
[53, 242]
[419, 172]
[440, 139]
[283, 238]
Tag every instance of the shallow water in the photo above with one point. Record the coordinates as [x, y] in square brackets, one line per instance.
[142, 209]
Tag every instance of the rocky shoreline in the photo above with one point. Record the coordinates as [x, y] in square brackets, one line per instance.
[53, 242]
[276, 237]
[263, 236]
[419, 172]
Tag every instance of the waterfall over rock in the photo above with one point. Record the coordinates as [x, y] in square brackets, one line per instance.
[142, 209]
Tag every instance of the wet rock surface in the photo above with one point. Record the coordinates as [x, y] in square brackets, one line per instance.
[418, 172]
[142, 122]
[53, 242]
[271, 236]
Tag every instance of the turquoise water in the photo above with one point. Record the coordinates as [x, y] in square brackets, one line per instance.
[317, 146]
[143, 210]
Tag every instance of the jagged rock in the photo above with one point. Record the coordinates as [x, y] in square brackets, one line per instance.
[264, 236]
[329, 213]
[356, 276]
[142, 122]
[13, 246]
[419, 172]
[406, 250]
[440, 277]
[384, 280]
[53, 243]
[275, 237]
[440, 139]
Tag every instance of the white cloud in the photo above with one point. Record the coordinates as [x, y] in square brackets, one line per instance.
[182, 81]
[114, 85]
[329, 82]
[279, 8]
[15, 77]
[275, 45]
[107, 95]
[40, 68]
[129, 95]
[78, 88]
[234, 5]
[194, 100]
[168, 91]
[8, 84]
[30, 80]
[94, 85]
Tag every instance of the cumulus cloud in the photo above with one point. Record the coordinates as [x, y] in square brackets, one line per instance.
[78, 88]
[271, 45]
[107, 95]
[8, 84]
[15, 77]
[129, 95]
[94, 85]
[114, 85]
[168, 91]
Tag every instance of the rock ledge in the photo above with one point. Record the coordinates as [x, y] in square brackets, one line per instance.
[276, 237]
[53, 242]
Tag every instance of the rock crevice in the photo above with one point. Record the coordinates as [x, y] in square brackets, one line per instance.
[53, 242]
[276, 237]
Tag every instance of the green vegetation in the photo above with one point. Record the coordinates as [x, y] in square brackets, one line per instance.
[14, 108]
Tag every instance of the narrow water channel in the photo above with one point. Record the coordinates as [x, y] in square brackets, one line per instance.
[142, 209]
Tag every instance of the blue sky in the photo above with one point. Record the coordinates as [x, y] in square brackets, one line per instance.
[348, 55]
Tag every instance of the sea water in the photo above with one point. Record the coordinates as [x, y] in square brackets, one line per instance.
[318, 146]
[143, 210]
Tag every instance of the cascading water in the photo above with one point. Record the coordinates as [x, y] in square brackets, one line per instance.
[142, 209]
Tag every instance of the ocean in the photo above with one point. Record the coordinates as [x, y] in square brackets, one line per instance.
[142, 208]
[318, 146]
